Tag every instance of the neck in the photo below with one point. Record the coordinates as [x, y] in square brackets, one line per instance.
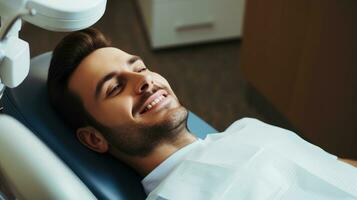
[144, 165]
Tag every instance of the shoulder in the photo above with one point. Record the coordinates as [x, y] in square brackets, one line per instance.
[243, 123]
[256, 127]
[258, 133]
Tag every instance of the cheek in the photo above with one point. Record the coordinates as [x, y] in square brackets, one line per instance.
[164, 83]
[161, 81]
[114, 112]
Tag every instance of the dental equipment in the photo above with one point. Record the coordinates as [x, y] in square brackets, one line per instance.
[50, 179]
[54, 15]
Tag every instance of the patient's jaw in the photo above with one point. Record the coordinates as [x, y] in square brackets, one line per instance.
[135, 108]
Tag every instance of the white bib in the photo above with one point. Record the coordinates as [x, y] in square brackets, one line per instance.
[252, 160]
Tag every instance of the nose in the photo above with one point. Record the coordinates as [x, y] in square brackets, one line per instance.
[144, 83]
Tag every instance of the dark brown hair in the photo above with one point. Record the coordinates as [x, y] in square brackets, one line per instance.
[67, 55]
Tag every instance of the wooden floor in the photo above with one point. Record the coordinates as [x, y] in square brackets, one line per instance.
[205, 77]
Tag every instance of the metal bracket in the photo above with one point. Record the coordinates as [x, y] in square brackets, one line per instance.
[7, 27]
[2, 89]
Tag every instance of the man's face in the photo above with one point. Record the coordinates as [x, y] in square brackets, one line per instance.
[134, 106]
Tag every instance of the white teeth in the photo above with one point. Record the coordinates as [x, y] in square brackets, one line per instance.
[154, 102]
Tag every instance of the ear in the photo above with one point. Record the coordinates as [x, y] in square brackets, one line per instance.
[93, 139]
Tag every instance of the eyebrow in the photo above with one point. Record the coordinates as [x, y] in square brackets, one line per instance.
[102, 81]
[110, 75]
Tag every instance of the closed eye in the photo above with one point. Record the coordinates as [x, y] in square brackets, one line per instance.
[142, 69]
[114, 90]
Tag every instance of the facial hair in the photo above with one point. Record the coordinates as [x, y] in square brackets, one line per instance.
[140, 140]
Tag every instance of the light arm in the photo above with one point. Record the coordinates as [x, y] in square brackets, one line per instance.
[54, 15]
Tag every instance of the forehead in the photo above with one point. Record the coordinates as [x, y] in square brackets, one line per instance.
[103, 57]
[93, 67]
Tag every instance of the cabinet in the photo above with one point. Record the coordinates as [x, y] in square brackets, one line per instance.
[181, 22]
[302, 56]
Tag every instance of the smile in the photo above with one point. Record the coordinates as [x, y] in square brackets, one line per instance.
[154, 101]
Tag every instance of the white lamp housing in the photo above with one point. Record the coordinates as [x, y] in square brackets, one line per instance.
[54, 15]
[65, 15]
[15, 63]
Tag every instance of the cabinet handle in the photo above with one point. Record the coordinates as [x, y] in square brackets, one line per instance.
[194, 26]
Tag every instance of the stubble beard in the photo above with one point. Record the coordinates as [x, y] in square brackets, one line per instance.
[141, 140]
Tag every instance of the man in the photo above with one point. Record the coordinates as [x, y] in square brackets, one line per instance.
[117, 105]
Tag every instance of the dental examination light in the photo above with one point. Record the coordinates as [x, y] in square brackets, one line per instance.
[53, 15]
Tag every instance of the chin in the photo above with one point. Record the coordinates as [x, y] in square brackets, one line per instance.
[146, 137]
[178, 117]
[172, 120]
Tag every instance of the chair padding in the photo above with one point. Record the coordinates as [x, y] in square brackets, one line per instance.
[105, 176]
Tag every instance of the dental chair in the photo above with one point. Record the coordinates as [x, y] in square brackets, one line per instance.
[105, 176]
[40, 156]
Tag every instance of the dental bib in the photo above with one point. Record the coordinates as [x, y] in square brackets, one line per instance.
[252, 160]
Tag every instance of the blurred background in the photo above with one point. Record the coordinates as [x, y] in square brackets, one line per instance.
[206, 76]
[288, 63]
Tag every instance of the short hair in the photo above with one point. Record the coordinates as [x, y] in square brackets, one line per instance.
[66, 57]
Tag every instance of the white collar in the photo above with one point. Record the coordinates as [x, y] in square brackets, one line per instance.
[154, 178]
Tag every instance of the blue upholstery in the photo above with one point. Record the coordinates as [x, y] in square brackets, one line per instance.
[104, 175]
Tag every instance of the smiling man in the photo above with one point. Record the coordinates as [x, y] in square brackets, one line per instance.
[117, 105]
[115, 102]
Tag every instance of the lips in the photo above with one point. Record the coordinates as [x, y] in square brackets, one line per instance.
[152, 101]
